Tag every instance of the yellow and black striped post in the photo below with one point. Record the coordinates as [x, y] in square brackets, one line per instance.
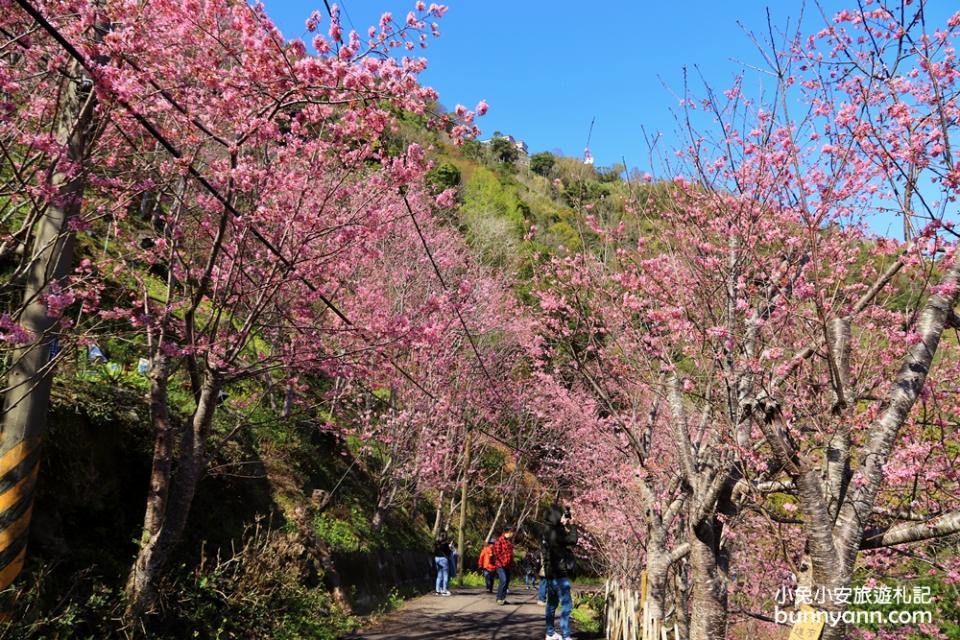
[18, 477]
[26, 402]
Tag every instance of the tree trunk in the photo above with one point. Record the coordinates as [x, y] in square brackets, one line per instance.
[835, 548]
[377, 521]
[156, 549]
[496, 517]
[384, 504]
[30, 377]
[708, 600]
[681, 600]
[451, 510]
[388, 486]
[162, 449]
[657, 568]
[463, 504]
[438, 518]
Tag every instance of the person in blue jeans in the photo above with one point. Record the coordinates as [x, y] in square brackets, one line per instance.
[559, 564]
[441, 557]
[558, 592]
[542, 593]
[531, 567]
[488, 564]
[453, 560]
[503, 558]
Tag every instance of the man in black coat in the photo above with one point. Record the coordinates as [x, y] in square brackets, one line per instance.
[559, 565]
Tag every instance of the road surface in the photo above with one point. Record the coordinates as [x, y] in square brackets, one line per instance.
[468, 614]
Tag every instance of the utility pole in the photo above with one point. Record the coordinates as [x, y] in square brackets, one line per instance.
[463, 503]
[30, 378]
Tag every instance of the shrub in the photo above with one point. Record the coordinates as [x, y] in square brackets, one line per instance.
[444, 176]
[255, 592]
[542, 163]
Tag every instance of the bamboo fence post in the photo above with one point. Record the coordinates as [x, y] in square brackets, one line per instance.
[646, 621]
[626, 624]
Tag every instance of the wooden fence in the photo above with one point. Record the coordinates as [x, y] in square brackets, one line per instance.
[628, 616]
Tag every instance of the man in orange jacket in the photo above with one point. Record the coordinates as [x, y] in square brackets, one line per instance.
[488, 564]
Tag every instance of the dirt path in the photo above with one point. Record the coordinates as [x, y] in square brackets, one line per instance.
[469, 614]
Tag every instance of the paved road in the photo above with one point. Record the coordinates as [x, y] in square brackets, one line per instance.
[469, 614]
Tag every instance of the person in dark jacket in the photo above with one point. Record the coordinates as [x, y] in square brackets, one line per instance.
[531, 568]
[503, 558]
[441, 557]
[559, 538]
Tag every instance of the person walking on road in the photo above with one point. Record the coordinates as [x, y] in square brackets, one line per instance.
[487, 564]
[542, 589]
[441, 557]
[559, 565]
[531, 569]
[453, 557]
[503, 555]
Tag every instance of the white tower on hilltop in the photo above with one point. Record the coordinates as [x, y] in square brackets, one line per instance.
[587, 158]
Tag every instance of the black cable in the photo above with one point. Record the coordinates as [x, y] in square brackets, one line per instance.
[173, 151]
[346, 12]
[443, 284]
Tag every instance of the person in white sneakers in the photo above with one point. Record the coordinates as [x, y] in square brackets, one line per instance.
[559, 565]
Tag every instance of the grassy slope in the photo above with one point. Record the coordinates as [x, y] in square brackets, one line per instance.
[256, 545]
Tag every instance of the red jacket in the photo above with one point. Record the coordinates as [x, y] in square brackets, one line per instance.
[503, 552]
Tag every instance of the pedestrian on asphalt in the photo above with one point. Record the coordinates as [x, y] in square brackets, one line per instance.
[531, 567]
[559, 565]
[453, 560]
[503, 554]
[542, 590]
[441, 557]
[488, 564]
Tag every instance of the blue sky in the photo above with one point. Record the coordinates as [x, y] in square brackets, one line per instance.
[548, 68]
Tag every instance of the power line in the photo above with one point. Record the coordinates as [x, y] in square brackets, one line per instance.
[176, 153]
[436, 270]
[172, 150]
[473, 344]
[443, 284]
[343, 5]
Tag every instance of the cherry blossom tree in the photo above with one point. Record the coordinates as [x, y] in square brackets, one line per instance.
[779, 345]
[260, 179]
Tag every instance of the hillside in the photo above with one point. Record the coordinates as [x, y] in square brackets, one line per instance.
[282, 525]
